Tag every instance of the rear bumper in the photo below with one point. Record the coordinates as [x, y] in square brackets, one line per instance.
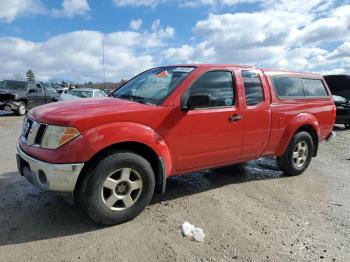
[331, 137]
[49, 177]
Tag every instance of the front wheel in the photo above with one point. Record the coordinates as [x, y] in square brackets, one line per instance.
[298, 154]
[347, 126]
[21, 109]
[118, 188]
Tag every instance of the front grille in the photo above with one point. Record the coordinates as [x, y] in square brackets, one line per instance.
[33, 132]
[6, 97]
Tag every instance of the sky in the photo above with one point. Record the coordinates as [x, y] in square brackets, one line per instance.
[64, 39]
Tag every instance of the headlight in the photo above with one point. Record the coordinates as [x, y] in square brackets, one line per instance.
[56, 136]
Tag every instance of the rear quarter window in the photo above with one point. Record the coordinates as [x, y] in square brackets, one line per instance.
[314, 87]
[298, 87]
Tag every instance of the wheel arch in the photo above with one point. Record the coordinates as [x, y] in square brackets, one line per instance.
[302, 122]
[24, 100]
[156, 161]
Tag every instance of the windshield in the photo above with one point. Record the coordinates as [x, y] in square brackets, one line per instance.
[13, 85]
[154, 85]
[81, 93]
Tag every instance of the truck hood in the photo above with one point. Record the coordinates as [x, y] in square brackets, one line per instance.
[10, 91]
[88, 112]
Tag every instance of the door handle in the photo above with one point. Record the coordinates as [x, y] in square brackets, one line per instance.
[235, 118]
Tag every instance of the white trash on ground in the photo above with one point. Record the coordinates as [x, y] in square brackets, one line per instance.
[190, 230]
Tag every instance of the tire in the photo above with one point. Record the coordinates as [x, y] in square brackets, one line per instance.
[21, 109]
[117, 188]
[298, 155]
[347, 126]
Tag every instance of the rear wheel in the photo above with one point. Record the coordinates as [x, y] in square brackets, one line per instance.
[118, 188]
[298, 154]
[21, 109]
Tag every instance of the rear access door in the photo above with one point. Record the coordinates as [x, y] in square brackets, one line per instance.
[257, 112]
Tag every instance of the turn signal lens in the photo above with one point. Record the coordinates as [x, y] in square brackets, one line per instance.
[69, 134]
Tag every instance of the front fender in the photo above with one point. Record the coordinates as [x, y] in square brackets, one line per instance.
[21, 96]
[300, 120]
[103, 136]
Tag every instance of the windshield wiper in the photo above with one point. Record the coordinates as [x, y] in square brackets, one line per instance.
[139, 99]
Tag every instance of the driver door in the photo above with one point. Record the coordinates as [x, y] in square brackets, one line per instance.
[213, 134]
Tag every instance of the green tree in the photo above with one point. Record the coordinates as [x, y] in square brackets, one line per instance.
[30, 75]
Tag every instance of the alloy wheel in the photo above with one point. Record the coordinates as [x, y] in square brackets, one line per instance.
[121, 189]
[300, 154]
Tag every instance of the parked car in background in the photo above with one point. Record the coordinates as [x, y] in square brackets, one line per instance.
[339, 85]
[78, 93]
[19, 96]
[62, 90]
[107, 91]
[343, 110]
[52, 87]
[112, 154]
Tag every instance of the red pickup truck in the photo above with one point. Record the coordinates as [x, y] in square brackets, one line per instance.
[113, 153]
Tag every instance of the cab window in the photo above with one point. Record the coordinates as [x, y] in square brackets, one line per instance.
[39, 88]
[31, 87]
[218, 85]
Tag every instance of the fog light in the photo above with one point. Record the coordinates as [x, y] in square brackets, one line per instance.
[42, 177]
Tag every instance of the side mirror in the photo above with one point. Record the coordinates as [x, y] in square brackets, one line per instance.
[196, 101]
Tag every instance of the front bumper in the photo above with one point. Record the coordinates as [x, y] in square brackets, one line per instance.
[49, 177]
[9, 105]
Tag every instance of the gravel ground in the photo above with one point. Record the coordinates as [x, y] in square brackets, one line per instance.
[251, 212]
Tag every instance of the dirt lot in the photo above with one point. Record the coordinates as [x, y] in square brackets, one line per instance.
[249, 213]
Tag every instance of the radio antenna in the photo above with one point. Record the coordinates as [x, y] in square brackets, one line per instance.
[103, 62]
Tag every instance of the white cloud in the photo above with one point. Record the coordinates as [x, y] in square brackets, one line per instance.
[78, 55]
[276, 36]
[190, 54]
[342, 51]
[135, 24]
[72, 8]
[164, 32]
[297, 35]
[10, 9]
[304, 7]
